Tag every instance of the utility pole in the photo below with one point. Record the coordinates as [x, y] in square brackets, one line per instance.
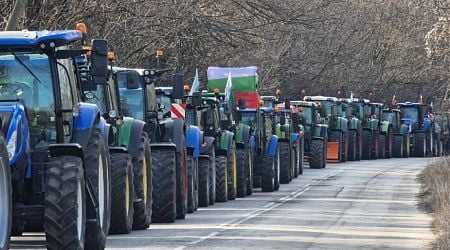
[16, 14]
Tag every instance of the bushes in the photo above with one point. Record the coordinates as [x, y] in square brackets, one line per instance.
[435, 198]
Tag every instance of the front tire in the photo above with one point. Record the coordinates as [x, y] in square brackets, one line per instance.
[164, 208]
[221, 179]
[65, 204]
[317, 154]
[268, 174]
[352, 145]
[97, 170]
[397, 150]
[192, 165]
[382, 147]
[122, 198]
[232, 172]
[242, 171]
[367, 145]
[142, 169]
[203, 182]
[285, 164]
[5, 197]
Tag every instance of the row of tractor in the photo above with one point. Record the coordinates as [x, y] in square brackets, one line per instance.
[88, 148]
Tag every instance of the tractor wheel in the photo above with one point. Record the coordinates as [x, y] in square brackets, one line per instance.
[301, 156]
[142, 169]
[438, 147]
[232, 172]
[65, 204]
[389, 144]
[397, 147]
[182, 193]
[164, 207]
[221, 178]
[376, 146]
[285, 164]
[203, 182]
[122, 193]
[249, 171]
[429, 145]
[367, 145]
[382, 147]
[420, 145]
[242, 165]
[212, 177]
[344, 145]
[192, 165]
[352, 143]
[268, 174]
[317, 154]
[407, 146]
[359, 145]
[98, 172]
[277, 170]
[5, 197]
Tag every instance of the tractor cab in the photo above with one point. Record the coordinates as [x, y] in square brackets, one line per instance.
[415, 115]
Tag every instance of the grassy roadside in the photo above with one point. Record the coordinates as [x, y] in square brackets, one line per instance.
[435, 199]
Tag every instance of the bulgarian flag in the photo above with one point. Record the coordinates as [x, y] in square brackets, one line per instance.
[195, 84]
[244, 82]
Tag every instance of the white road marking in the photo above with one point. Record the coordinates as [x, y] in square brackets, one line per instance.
[269, 206]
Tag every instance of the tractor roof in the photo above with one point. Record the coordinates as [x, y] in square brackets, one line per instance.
[26, 38]
[303, 103]
[410, 104]
[353, 100]
[320, 98]
[268, 97]
[390, 110]
[117, 69]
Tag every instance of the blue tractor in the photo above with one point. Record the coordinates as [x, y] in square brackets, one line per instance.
[60, 171]
[264, 143]
[421, 128]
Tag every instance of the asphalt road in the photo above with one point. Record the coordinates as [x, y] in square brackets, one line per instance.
[357, 205]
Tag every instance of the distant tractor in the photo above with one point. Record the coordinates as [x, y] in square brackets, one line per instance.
[354, 151]
[421, 127]
[306, 114]
[400, 132]
[338, 135]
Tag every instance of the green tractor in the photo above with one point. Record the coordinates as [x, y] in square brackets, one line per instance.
[369, 115]
[354, 131]
[215, 123]
[167, 139]
[129, 155]
[400, 132]
[338, 136]
[306, 118]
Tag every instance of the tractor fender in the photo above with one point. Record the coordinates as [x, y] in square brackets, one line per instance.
[173, 132]
[272, 146]
[242, 135]
[318, 138]
[117, 150]
[88, 118]
[61, 149]
[208, 145]
[107, 133]
[226, 140]
[137, 127]
[193, 140]
[163, 145]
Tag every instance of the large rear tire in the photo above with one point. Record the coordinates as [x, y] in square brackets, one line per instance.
[277, 170]
[221, 179]
[268, 174]
[142, 168]
[232, 172]
[242, 169]
[122, 195]
[397, 147]
[317, 154]
[285, 164]
[212, 177]
[182, 192]
[97, 170]
[5, 197]
[352, 137]
[250, 168]
[65, 204]
[420, 145]
[367, 145]
[203, 182]
[164, 185]
[192, 165]
[382, 147]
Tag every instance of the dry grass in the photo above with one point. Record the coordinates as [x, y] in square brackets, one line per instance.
[435, 198]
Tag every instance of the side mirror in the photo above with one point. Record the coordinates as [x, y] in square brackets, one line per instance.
[196, 99]
[99, 61]
[178, 91]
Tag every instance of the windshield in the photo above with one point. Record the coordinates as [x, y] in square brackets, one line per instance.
[248, 118]
[165, 100]
[269, 103]
[410, 112]
[359, 110]
[326, 107]
[307, 115]
[26, 76]
[390, 117]
[131, 100]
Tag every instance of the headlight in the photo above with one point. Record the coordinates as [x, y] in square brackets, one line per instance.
[12, 143]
